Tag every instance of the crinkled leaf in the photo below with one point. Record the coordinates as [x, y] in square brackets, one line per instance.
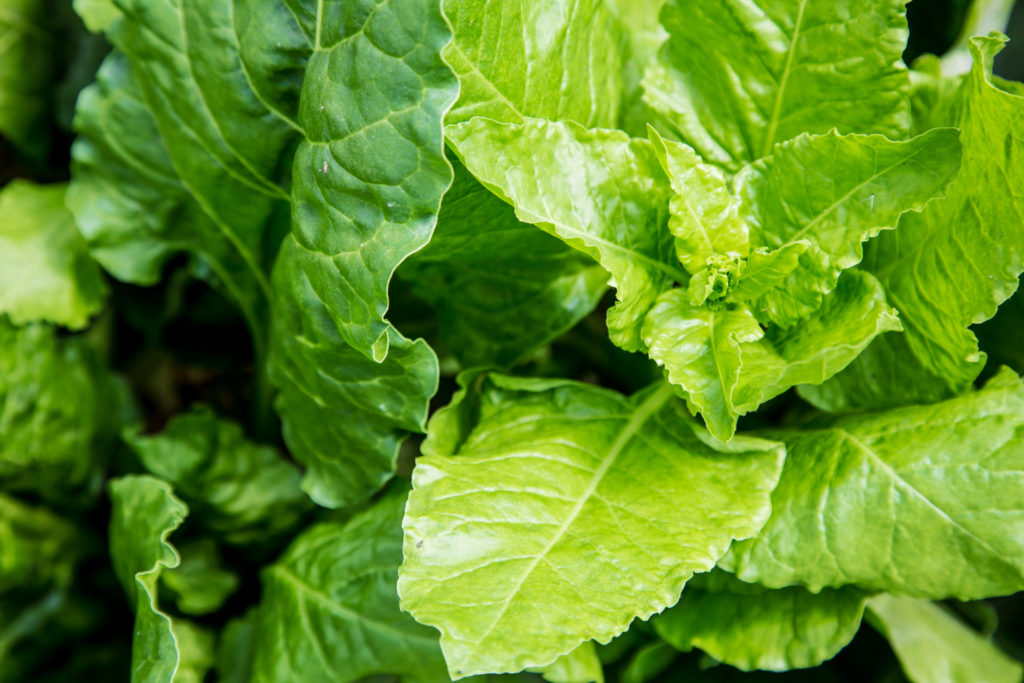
[501, 288]
[836, 191]
[567, 513]
[954, 263]
[60, 412]
[244, 491]
[768, 70]
[329, 609]
[144, 514]
[579, 666]
[728, 365]
[863, 500]
[558, 60]
[368, 181]
[598, 190]
[751, 627]
[933, 646]
[46, 272]
[200, 584]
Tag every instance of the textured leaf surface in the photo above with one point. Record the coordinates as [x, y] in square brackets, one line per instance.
[751, 627]
[598, 190]
[568, 512]
[244, 491]
[501, 287]
[835, 192]
[769, 70]
[144, 514]
[60, 413]
[729, 366]
[864, 500]
[953, 264]
[329, 609]
[45, 270]
[933, 646]
[559, 60]
[368, 182]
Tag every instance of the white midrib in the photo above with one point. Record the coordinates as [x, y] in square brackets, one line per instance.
[643, 413]
[773, 124]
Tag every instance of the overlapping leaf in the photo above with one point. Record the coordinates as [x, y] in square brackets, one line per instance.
[567, 512]
[769, 70]
[864, 499]
[329, 610]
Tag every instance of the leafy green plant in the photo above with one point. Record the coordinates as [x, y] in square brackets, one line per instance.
[569, 339]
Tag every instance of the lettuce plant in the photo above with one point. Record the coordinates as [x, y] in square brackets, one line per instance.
[569, 339]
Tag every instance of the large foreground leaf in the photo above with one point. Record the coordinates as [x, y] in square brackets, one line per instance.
[144, 514]
[329, 609]
[567, 512]
[864, 499]
[752, 627]
[933, 646]
[45, 270]
[953, 264]
[769, 70]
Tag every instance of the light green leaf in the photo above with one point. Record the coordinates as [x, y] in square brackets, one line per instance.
[579, 666]
[245, 492]
[704, 218]
[567, 513]
[501, 288]
[953, 264]
[329, 610]
[751, 627]
[27, 66]
[728, 365]
[885, 375]
[557, 60]
[200, 584]
[60, 413]
[144, 514]
[598, 190]
[767, 269]
[863, 500]
[769, 70]
[933, 96]
[933, 646]
[98, 15]
[46, 273]
[836, 192]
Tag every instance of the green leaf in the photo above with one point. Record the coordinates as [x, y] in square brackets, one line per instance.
[647, 662]
[598, 190]
[751, 627]
[769, 70]
[567, 513]
[46, 273]
[129, 202]
[235, 649]
[501, 288]
[27, 69]
[329, 610]
[933, 646]
[953, 264]
[836, 192]
[200, 584]
[144, 514]
[243, 491]
[728, 365]
[60, 413]
[862, 501]
[39, 550]
[558, 60]
[579, 666]
[98, 15]
[368, 182]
